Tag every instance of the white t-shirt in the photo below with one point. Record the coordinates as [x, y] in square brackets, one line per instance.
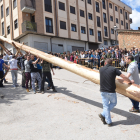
[13, 64]
[10, 57]
[82, 55]
[5, 58]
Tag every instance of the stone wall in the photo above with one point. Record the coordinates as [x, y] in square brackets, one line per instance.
[129, 38]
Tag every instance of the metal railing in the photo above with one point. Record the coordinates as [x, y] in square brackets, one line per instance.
[29, 26]
[27, 3]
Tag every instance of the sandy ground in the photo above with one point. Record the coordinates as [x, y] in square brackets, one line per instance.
[69, 114]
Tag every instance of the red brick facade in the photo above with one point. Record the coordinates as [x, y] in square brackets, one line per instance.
[129, 38]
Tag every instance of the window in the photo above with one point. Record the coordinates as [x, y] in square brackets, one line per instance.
[49, 25]
[103, 3]
[8, 30]
[90, 16]
[73, 27]
[105, 42]
[14, 4]
[48, 5]
[121, 11]
[126, 15]
[89, 1]
[104, 16]
[16, 24]
[98, 22]
[83, 31]
[112, 31]
[91, 32]
[99, 36]
[72, 9]
[7, 11]
[111, 18]
[1, 11]
[82, 13]
[62, 25]
[61, 6]
[110, 5]
[121, 22]
[117, 20]
[126, 25]
[2, 28]
[97, 7]
[116, 8]
[105, 31]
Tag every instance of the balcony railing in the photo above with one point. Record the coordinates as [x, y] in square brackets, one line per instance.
[28, 6]
[131, 20]
[29, 26]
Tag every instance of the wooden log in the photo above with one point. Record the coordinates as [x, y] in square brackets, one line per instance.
[122, 87]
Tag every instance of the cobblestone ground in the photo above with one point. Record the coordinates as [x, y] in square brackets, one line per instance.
[69, 114]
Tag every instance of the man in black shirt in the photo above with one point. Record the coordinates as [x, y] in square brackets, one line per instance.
[34, 73]
[108, 75]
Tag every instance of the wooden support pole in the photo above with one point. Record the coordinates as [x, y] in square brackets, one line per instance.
[122, 87]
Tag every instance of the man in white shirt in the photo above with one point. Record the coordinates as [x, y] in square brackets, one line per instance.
[14, 69]
[133, 75]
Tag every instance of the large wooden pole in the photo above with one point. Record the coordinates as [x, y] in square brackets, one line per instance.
[122, 87]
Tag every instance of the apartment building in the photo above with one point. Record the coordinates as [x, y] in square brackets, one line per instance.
[63, 25]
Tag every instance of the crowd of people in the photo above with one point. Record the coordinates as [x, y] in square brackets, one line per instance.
[35, 72]
[98, 57]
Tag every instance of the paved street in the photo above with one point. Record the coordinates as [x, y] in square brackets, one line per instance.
[69, 114]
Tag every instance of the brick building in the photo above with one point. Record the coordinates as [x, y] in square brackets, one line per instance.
[129, 38]
[63, 25]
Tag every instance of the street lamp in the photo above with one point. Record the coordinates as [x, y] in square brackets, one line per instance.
[115, 28]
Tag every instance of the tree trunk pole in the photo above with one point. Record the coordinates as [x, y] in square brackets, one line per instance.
[132, 91]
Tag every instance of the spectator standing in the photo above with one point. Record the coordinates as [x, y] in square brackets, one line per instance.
[109, 54]
[1, 70]
[113, 55]
[103, 58]
[35, 75]
[5, 58]
[71, 57]
[133, 75]
[22, 60]
[46, 66]
[14, 70]
[90, 61]
[27, 72]
[136, 56]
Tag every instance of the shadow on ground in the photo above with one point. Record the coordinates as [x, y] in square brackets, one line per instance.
[132, 119]
[10, 95]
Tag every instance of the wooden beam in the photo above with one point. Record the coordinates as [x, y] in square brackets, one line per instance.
[122, 87]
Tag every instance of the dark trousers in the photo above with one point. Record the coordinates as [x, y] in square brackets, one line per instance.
[28, 78]
[40, 72]
[49, 76]
[1, 76]
[135, 104]
[23, 79]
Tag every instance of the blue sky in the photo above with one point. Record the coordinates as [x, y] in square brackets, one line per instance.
[135, 5]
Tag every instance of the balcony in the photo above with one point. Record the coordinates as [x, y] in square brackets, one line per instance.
[131, 21]
[29, 26]
[28, 6]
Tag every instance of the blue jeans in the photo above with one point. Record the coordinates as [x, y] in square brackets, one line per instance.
[109, 102]
[47, 80]
[135, 104]
[14, 77]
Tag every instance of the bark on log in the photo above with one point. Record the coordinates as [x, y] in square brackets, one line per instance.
[122, 87]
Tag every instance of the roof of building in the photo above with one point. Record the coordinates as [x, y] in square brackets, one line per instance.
[127, 31]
